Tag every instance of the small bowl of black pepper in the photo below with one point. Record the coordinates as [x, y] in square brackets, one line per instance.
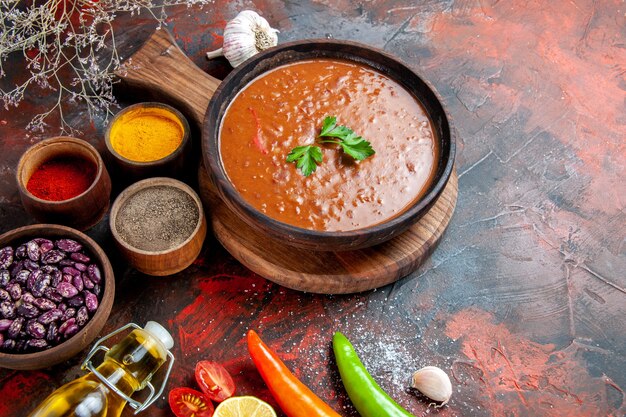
[158, 225]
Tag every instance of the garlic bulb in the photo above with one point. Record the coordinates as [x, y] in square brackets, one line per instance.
[244, 36]
[433, 383]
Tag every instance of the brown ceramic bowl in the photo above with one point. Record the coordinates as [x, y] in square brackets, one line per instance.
[80, 212]
[87, 334]
[311, 49]
[166, 261]
[173, 165]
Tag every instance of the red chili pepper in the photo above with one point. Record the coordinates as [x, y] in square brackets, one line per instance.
[295, 398]
[258, 141]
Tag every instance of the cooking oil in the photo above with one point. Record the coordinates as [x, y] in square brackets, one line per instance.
[127, 367]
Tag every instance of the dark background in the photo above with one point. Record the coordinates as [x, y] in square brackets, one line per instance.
[522, 303]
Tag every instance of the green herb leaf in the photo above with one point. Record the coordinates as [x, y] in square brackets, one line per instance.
[306, 158]
[351, 143]
[330, 128]
[358, 150]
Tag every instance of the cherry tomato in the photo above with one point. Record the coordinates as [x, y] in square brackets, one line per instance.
[187, 402]
[214, 380]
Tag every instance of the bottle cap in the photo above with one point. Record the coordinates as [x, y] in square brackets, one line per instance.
[160, 333]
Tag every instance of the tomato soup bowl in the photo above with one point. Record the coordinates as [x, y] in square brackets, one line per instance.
[81, 211]
[297, 52]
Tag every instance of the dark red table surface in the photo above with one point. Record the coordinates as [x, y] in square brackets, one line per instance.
[524, 301]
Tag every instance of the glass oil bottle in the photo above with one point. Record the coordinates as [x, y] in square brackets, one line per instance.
[127, 367]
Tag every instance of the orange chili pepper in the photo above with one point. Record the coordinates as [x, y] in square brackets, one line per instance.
[295, 398]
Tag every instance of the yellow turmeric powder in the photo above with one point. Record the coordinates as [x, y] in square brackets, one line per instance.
[146, 134]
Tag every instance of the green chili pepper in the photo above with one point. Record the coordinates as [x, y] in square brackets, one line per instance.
[368, 398]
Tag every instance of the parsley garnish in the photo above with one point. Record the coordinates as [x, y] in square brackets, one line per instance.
[308, 157]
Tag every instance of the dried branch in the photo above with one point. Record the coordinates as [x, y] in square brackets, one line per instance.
[69, 48]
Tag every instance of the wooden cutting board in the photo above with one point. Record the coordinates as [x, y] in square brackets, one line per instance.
[164, 69]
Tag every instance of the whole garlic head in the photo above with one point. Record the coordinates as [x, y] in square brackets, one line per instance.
[433, 383]
[244, 36]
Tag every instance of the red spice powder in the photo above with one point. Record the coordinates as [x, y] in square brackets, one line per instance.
[62, 178]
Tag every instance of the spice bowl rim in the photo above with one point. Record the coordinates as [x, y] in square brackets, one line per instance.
[296, 51]
[85, 336]
[145, 164]
[38, 147]
[133, 189]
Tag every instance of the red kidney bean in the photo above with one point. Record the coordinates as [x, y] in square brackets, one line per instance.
[20, 252]
[4, 324]
[71, 331]
[94, 273]
[67, 278]
[68, 314]
[9, 345]
[62, 306]
[71, 271]
[17, 267]
[67, 323]
[81, 267]
[87, 282]
[14, 329]
[66, 289]
[66, 262]
[76, 301]
[5, 277]
[7, 309]
[44, 303]
[27, 310]
[27, 297]
[78, 283]
[41, 284]
[15, 290]
[30, 264]
[33, 251]
[52, 295]
[82, 316]
[50, 316]
[37, 343]
[22, 276]
[35, 329]
[52, 257]
[69, 245]
[32, 277]
[6, 257]
[46, 246]
[97, 289]
[91, 301]
[5, 296]
[52, 333]
[80, 257]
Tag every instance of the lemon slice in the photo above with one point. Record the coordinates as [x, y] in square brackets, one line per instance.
[246, 406]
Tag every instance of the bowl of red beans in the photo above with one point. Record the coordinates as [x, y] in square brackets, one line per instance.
[56, 292]
[63, 180]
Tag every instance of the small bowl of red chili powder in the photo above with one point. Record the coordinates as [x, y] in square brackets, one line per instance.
[63, 180]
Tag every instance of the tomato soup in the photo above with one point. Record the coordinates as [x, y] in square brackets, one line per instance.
[285, 108]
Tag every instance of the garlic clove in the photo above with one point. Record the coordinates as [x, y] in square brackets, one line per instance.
[433, 383]
[244, 36]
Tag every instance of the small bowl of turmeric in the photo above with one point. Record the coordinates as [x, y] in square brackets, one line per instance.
[149, 139]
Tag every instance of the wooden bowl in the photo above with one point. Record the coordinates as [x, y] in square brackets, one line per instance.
[173, 165]
[80, 212]
[159, 262]
[87, 334]
[305, 50]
